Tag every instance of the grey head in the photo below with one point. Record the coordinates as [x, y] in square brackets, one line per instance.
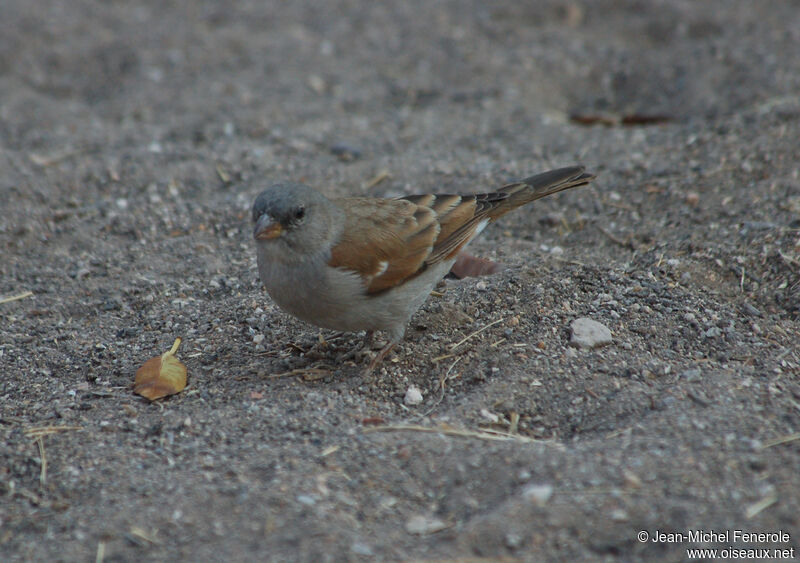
[293, 222]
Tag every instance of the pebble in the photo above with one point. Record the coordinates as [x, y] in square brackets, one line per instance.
[750, 310]
[692, 374]
[413, 396]
[345, 153]
[588, 334]
[538, 494]
[306, 500]
[422, 525]
[490, 416]
[361, 549]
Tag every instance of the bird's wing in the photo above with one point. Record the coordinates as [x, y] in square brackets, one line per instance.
[389, 241]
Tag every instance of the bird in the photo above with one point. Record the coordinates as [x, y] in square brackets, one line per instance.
[367, 264]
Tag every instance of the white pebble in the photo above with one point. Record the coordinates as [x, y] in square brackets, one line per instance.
[490, 416]
[422, 525]
[413, 396]
[587, 333]
[538, 494]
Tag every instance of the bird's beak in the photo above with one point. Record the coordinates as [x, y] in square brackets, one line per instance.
[266, 228]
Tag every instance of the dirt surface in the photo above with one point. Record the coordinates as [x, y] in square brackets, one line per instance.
[134, 137]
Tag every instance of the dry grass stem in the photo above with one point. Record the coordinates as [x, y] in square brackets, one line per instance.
[482, 435]
[45, 430]
[758, 507]
[613, 237]
[16, 297]
[377, 179]
[305, 372]
[781, 440]
[43, 457]
[477, 332]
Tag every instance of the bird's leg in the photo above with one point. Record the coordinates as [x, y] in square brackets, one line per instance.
[379, 357]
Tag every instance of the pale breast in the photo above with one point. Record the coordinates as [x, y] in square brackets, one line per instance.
[336, 299]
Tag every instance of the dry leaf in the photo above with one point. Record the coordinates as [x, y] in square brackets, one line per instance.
[161, 376]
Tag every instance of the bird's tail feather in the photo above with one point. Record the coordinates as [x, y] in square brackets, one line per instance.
[541, 185]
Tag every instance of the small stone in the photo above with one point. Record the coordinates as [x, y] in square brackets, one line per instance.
[345, 153]
[422, 525]
[588, 334]
[692, 374]
[306, 500]
[490, 416]
[258, 339]
[513, 541]
[538, 494]
[413, 396]
[750, 310]
[360, 548]
[619, 515]
[552, 219]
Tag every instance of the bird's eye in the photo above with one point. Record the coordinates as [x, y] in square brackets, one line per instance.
[299, 213]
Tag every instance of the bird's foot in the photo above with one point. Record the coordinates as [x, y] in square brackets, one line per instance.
[380, 356]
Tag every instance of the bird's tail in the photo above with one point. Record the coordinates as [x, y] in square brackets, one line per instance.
[540, 185]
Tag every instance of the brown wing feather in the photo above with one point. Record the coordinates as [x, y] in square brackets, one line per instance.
[384, 241]
[389, 241]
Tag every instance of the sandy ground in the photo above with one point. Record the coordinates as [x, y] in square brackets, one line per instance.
[133, 139]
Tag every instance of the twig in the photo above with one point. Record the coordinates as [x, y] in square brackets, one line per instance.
[784, 353]
[43, 457]
[480, 330]
[484, 435]
[45, 430]
[758, 507]
[16, 297]
[567, 260]
[438, 359]
[442, 381]
[789, 259]
[56, 157]
[613, 237]
[781, 440]
[377, 179]
[224, 176]
[300, 371]
[137, 535]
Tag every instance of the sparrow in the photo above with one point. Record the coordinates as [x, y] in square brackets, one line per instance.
[363, 263]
